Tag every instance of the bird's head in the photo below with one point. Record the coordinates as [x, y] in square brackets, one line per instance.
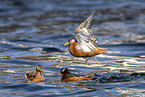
[39, 68]
[72, 40]
[64, 71]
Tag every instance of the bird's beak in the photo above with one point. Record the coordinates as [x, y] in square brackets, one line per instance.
[41, 70]
[58, 73]
[66, 43]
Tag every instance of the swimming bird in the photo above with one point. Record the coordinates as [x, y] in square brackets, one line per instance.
[67, 76]
[35, 77]
[84, 44]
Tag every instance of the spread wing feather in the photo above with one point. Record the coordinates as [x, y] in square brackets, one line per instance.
[84, 35]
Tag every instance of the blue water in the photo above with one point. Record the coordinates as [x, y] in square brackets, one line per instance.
[33, 32]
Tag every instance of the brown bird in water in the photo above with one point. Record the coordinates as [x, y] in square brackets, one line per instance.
[85, 45]
[37, 77]
[67, 76]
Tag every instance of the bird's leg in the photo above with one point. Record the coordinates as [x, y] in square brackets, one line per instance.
[97, 61]
[87, 60]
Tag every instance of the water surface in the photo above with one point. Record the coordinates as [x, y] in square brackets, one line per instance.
[33, 33]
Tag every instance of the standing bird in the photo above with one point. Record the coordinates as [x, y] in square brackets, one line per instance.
[37, 77]
[85, 44]
[67, 76]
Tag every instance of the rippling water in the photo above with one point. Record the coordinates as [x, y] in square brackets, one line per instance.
[33, 33]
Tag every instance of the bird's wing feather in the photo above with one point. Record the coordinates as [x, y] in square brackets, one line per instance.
[83, 34]
[88, 22]
[72, 75]
[30, 76]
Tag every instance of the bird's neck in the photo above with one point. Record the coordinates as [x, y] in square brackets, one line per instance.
[39, 74]
[72, 48]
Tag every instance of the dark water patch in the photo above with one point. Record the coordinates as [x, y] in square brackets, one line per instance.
[52, 49]
[24, 41]
[5, 46]
[19, 62]
[47, 49]
[87, 92]
[19, 45]
[12, 49]
[138, 85]
[120, 77]
[14, 86]
[132, 49]
[126, 44]
[55, 38]
[26, 87]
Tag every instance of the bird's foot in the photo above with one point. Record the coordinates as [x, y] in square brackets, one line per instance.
[98, 62]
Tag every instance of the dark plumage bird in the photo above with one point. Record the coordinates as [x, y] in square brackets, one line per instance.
[35, 77]
[85, 45]
[67, 76]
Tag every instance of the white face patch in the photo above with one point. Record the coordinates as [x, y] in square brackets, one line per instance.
[73, 40]
[63, 70]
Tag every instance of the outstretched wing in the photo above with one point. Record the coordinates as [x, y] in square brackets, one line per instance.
[84, 35]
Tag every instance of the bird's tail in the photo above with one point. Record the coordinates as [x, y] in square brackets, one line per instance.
[101, 50]
[92, 78]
